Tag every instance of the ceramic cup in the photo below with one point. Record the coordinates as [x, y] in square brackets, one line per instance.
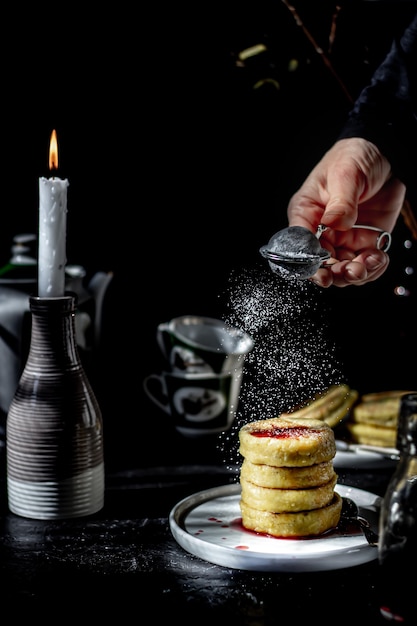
[195, 344]
[199, 404]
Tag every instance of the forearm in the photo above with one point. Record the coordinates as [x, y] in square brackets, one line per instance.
[385, 113]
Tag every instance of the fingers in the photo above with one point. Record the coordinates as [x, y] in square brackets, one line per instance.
[366, 267]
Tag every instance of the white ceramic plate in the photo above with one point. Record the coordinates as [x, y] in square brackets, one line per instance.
[355, 458]
[208, 525]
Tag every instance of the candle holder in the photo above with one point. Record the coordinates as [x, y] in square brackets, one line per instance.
[54, 430]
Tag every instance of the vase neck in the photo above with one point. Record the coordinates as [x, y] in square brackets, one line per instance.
[53, 328]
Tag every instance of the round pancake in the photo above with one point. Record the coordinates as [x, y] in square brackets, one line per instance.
[287, 477]
[382, 413]
[301, 524]
[371, 435]
[287, 500]
[287, 442]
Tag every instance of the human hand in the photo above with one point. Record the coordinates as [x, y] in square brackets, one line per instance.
[351, 184]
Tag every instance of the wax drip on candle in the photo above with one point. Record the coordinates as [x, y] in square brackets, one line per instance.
[52, 229]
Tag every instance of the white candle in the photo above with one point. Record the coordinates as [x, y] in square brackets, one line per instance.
[52, 235]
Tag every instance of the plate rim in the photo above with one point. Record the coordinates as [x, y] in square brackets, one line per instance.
[361, 460]
[259, 561]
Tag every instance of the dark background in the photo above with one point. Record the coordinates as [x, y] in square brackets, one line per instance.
[181, 161]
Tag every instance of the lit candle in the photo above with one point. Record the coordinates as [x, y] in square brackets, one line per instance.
[52, 229]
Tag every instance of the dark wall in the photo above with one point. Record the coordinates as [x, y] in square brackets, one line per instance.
[180, 157]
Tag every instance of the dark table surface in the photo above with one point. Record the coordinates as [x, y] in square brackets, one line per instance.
[125, 561]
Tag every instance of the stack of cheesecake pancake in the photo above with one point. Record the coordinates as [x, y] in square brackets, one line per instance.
[374, 420]
[287, 477]
[370, 419]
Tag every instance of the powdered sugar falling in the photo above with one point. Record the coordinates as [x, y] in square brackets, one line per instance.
[294, 356]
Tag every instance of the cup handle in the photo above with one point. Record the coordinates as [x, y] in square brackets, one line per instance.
[163, 339]
[161, 402]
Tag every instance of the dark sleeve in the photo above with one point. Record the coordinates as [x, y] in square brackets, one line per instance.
[386, 110]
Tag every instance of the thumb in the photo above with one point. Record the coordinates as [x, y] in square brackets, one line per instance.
[344, 193]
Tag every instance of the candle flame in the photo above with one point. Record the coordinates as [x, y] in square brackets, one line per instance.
[53, 152]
